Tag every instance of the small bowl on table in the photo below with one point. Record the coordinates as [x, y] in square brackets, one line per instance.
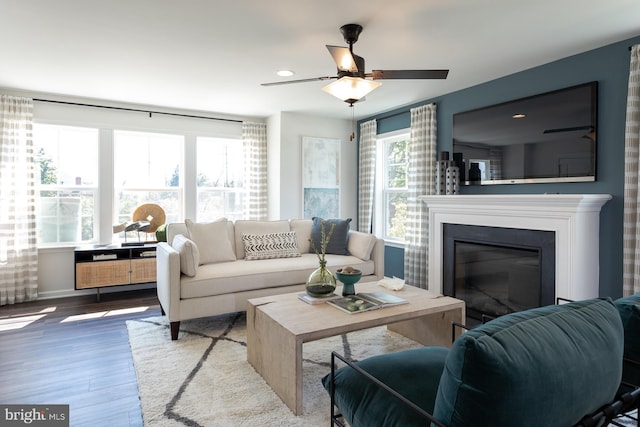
[349, 277]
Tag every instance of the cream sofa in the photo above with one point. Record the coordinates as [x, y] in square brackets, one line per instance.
[208, 269]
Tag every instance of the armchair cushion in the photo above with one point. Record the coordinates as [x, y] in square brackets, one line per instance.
[545, 366]
[413, 373]
[629, 309]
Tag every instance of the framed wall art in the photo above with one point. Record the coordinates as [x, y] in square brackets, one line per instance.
[320, 177]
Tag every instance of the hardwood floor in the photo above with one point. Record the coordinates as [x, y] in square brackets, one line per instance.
[74, 351]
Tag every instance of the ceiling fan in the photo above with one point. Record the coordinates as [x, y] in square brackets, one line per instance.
[352, 83]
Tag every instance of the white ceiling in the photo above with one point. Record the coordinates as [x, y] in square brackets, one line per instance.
[212, 55]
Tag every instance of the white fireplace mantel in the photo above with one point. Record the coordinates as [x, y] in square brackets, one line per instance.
[575, 219]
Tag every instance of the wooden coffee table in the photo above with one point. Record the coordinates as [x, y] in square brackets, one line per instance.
[277, 326]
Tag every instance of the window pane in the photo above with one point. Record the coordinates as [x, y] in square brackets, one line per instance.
[395, 214]
[146, 160]
[66, 155]
[147, 169]
[220, 174]
[213, 204]
[128, 201]
[67, 159]
[396, 164]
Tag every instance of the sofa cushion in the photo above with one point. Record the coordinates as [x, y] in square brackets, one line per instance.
[360, 244]
[302, 227]
[629, 310]
[256, 227]
[212, 240]
[545, 366]
[269, 246]
[189, 254]
[337, 244]
[413, 373]
[243, 275]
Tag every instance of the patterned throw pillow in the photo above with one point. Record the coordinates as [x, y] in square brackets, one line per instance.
[269, 246]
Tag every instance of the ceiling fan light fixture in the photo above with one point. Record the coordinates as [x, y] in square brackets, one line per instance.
[351, 89]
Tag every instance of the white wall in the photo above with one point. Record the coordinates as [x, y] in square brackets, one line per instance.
[293, 126]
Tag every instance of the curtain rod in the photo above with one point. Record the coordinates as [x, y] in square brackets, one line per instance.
[150, 112]
[397, 113]
[388, 116]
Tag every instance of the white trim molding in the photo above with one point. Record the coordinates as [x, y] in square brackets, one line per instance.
[575, 219]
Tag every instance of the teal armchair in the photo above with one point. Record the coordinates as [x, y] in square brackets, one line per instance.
[629, 309]
[548, 366]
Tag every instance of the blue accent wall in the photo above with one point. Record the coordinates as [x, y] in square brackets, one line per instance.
[609, 66]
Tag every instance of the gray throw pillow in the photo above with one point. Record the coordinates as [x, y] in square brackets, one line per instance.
[338, 243]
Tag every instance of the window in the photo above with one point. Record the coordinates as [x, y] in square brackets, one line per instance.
[67, 159]
[147, 169]
[391, 185]
[219, 182]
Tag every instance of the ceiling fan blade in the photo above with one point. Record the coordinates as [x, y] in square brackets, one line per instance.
[409, 74]
[286, 82]
[344, 58]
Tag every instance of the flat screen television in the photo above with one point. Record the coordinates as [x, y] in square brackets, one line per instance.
[550, 137]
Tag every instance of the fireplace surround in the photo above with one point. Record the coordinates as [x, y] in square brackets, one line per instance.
[574, 218]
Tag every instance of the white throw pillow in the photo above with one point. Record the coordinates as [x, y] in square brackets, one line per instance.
[212, 239]
[361, 244]
[269, 246]
[302, 227]
[189, 254]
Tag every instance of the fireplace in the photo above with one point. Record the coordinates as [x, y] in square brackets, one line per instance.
[498, 270]
[573, 218]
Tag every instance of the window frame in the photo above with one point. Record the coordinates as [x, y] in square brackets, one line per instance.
[93, 189]
[381, 190]
[178, 190]
[107, 122]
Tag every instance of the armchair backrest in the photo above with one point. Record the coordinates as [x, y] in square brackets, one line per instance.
[545, 366]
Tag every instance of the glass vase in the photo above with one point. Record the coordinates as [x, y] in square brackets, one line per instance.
[321, 283]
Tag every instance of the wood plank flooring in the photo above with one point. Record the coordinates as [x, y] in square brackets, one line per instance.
[75, 351]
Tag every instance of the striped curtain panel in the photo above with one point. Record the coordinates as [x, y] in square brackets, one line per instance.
[367, 175]
[631, 257]
[421, 177]
[18, 241]
[254, 142]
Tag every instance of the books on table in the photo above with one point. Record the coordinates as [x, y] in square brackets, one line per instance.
[366, 301]
[317, 300]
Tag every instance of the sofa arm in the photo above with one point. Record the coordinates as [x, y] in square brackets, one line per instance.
[168, 280]
[377, 256]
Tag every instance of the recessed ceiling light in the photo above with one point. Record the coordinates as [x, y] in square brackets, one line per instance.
[518, 116]
[285, 73]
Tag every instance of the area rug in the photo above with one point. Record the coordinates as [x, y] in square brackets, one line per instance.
[204, 379]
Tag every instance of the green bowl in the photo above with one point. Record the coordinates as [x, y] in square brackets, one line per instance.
[349, 278]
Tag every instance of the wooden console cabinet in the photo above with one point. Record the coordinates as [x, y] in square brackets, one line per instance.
[99, 266]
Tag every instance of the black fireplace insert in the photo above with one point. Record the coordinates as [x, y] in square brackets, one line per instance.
[498, 270]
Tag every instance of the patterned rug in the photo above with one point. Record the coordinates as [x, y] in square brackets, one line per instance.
[204, 379]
